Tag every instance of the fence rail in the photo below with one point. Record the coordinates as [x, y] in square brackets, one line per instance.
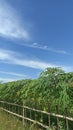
[33, 115]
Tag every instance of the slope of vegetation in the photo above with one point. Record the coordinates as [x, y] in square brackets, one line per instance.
[53, 87]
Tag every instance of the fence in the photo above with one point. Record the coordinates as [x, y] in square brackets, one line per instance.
[31, 115]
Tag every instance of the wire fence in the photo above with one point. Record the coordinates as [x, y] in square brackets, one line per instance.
[40, 118]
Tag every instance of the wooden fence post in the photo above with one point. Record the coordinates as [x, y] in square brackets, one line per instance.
[23, 113]
[67, 127]
[35, 107]
[57, 117]
[18, 111]
[41, 117]
[49, 115]
[30, 116]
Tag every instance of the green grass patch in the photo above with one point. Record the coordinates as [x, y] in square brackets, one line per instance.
[9, 122]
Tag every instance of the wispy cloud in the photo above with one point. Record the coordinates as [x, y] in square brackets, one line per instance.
[13, 74]
[7, 79]
[45, 48]
[10, 57]
[10, 25]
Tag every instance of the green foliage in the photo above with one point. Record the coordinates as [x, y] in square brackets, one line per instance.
[53, 87]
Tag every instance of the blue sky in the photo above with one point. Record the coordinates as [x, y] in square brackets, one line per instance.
[34, 35]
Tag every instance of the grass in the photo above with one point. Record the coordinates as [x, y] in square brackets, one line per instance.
[9, 122]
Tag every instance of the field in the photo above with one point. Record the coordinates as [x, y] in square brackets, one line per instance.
[8, 122]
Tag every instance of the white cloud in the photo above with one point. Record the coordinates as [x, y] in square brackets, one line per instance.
[3, 56]
[32, 63]
[13, 74]
[45, 48]
[10, 25]
[10, 57]
[7, 79]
